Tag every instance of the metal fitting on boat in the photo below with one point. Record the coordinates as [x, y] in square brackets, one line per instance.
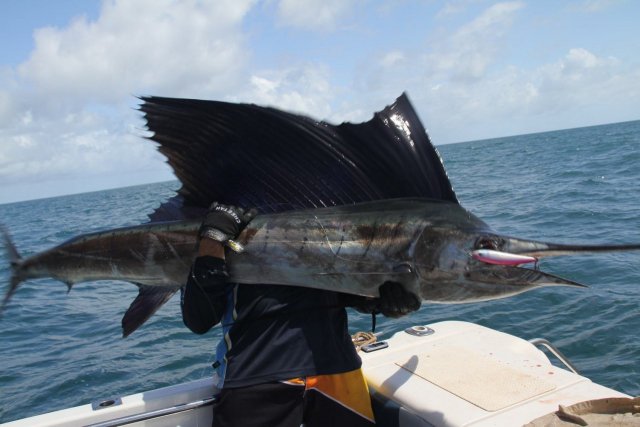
[419, 331]
[106, 403]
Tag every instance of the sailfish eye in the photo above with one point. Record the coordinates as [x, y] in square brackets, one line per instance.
[487, 243]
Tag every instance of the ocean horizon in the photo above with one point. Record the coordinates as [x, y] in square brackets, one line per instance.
[169, 181]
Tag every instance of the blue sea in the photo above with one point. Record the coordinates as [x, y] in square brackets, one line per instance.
[61, 349]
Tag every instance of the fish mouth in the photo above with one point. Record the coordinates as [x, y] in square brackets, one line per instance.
[517, 277]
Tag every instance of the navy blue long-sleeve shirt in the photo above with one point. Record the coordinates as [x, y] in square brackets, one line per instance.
[271, 332]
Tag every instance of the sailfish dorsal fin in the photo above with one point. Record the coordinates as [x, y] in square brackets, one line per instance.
[249, 155]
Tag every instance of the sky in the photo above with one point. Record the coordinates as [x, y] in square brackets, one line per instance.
[71, 71]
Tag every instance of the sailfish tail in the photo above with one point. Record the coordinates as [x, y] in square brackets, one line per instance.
[15, 260]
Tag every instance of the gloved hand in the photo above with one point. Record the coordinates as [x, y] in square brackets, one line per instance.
[224, 222]
[395, 301]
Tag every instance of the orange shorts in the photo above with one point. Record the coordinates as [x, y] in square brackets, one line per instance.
[315, 401]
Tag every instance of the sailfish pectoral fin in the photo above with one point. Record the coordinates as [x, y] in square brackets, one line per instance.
[148, 301]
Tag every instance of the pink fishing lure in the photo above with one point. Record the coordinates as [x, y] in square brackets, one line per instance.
[501, 258]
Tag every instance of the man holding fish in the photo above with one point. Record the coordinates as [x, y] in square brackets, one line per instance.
[286, 357]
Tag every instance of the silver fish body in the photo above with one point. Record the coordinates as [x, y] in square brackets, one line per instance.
[423, 244]
[426, 245]
[351, 249]
[394, 214]
[150, 254]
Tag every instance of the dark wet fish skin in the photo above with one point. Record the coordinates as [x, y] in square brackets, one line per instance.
[423, 244]
[156, 254]
[286, 248]
[350, 249]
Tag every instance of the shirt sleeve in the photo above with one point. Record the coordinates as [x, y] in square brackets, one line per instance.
[202, 300]
[362, 304]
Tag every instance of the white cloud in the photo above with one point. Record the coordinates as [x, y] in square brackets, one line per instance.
[581, 58]
[596, 5]
[5, 107]
[444, 72]
[314, 14]
[454, 7]
[303, 88]
[391, 59]
[464, 87]
[449, 62]
[472, 48]
[185, 48]
[557, 95]
[67, 110]
[583, 78]
[80, 143]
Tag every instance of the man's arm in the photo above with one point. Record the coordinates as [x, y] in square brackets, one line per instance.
[394, 301]
[203, 298]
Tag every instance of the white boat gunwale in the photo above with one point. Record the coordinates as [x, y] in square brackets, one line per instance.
[400, 397]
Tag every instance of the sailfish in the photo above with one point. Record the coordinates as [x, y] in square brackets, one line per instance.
[341, 207]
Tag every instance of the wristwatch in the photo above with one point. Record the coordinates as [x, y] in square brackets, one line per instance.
[214, 234]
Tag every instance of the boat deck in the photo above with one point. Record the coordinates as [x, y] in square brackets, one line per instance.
[444, 374]
[463, 374]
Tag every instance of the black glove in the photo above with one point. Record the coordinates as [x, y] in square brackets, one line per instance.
[209, 272]
[224, 222]
[394, 301]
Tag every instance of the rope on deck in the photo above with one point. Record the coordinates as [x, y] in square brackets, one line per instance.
[363, 338]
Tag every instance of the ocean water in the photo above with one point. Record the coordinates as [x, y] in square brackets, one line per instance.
[61, 349]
